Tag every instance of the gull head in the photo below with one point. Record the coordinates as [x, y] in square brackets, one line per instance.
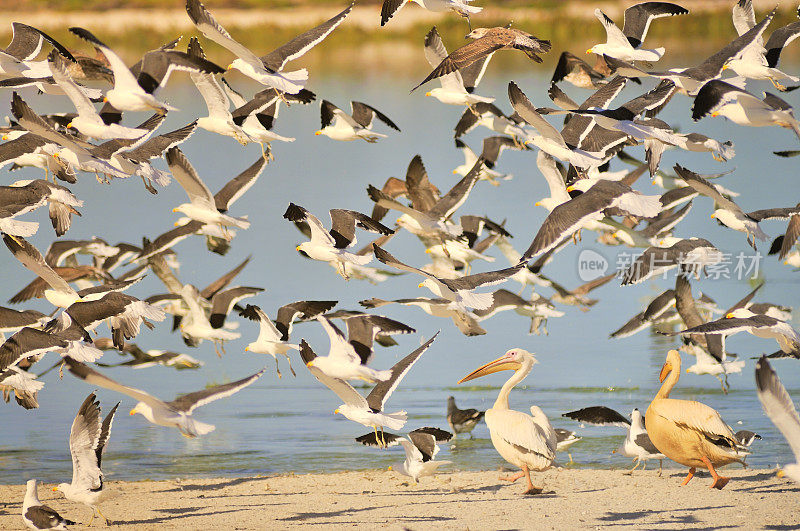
[741, 313]
[477, 33]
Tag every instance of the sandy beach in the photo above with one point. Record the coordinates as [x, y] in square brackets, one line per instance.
[754, 499]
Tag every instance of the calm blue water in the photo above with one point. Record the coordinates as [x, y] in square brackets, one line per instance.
[288, 425]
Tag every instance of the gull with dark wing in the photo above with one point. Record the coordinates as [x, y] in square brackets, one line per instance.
[727, 212]
[364, 330]
[465, 320]
[36, 515]
[760, 61]
[420, 448]
[338, 125]
[273, 338]
[202, 204]
[268, 69]
[174, 414]
[569, 217]
[462, 7]
[778, 406]
[196, 327]
[73, 153]
[369, 410]
[25, 196]
[226, 300]
[759, 325]
[574, 70]
[88, 122]
[88, 438]
[460, 291]
[719, 98]
[638, 444]
[492, 147]
[792, 230]
[141, 359]
[457, 87]
[690, 254]
[626, 44]
[485, 42]
[330, 246]
[490, 116]
[14, 320]
[343, 362]
[462, 420]
[538, 309]
[657, 308]
[136, 92]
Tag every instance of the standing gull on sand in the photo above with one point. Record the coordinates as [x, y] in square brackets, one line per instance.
[420, 447]
[36, 515]
[462, 420]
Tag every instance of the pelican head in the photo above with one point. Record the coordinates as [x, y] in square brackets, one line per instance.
[673, 362]
[513, 360]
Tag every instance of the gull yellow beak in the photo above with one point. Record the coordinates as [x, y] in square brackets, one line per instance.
[589, 50]
[725, 67]
[105, 100]
[665, 370]
[317, 133]
[503, 363]
[570, 188]
[297, 248]
[388, 469]
[176, 223]
[311, 364]
[713, 215]
[537, 203]
[69, 125]
[428, 251]
[427, 93]
[175, 209]
[229, 66]
[421, 284]
[5, 137]
[730, 316]
[132, 412]
[55, 489]
[780, 474]
[714, 114]
[454, 171]
[247, 349]
[336, 411]
[687, 371]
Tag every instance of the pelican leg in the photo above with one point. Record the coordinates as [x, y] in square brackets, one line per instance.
[531, 489]
[719, 481]
[512, 479]
[689, 476]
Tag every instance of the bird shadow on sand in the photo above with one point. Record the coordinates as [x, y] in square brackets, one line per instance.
[172, 517]
[779, 527]
[628, 518]
[299, 517]
[211, 486]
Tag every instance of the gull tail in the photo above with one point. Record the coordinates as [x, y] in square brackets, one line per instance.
[15, 227]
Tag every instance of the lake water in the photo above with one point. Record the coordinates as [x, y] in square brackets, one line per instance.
[282, 425]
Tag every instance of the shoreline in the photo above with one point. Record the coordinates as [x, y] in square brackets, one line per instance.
[571, 498]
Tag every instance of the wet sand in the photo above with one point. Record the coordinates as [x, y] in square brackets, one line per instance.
[754, 499]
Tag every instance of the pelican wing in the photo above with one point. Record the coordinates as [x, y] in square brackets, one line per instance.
[695, 416]
[778, 405]
[520, 430]
[341, 388]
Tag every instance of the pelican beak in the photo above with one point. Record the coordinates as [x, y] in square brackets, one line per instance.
[503, 363]
[730, 316]
[317, 133]
[713, 215]
[780, 474]
[665, 370]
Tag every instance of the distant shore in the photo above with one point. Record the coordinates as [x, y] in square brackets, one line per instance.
[754, 499]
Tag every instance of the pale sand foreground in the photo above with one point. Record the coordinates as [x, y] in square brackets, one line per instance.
[754, 499]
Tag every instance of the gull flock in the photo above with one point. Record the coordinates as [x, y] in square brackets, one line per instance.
[87, 282]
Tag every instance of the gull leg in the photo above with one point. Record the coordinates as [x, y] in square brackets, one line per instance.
[636, 462]
[689, 476]
[377, 439]
[91, 519]
[644, 465]
[216, 349]
[777, 85]
[289, 360]
[660, 466]
[570, 457]
[719, 481]
[277, 368]
[105, 520]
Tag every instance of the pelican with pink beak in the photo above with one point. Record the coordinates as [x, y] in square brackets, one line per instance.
[525, 441]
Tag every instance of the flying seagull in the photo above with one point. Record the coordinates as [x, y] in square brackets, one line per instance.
[462, 7]
[338, 125]
[174, 414]
[420, 448]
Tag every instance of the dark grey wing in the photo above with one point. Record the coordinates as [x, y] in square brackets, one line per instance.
[157, 145]
[385, 257]
[599, 415]
[362, 330]
[712, 67]
[20, 146]
[659, 305]
[425, 443]
[469, 120]
[26, 43]
[687, 309]
[105, 433]
[344, 223]
[746, 299]
[168, 239]
[650, 103]
[381, 392]
[726, 326]
[643, 440]
[276, 59]
[370, 439]
[773, 213]
[422, 193]
[778, 40]
[328, 112]
[236, 187]
[44, 517]
[778, 405]
[463, 57]
[389, 8]
[27, 342]
[187, 403]
[635, 324]
[458, 194]
[792, 233]
[393, 188]
[493, 146]
[224, 280]
[223, 301]
[472, 74]
[304, 309]
[652, 260]
[477, 280]
[438, 434]
[460, 416]
[603, 96]
[30, 257]
[568, 63]
[363, 114]
[639, 17]
[156, 66]
[706, 188]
